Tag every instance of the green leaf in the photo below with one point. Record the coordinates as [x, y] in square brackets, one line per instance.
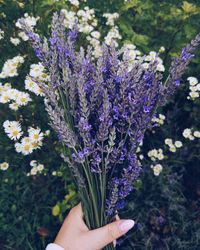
[126, 27]
[139, 39]
[130, 4]
[189, 8]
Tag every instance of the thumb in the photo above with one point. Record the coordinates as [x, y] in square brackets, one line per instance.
[99, 238]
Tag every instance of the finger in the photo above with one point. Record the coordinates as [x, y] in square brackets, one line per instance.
[76, 215]
[107, 234]
[117, 218]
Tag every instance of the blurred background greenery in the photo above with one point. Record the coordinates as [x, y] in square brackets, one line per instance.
[165, 207]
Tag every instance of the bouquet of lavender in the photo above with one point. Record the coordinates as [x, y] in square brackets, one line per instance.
[100, 111]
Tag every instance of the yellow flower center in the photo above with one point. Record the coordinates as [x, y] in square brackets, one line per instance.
[35, 144]
[31, 84]
[12, 70]
[15, 133]
[26, 147]
[44, 75]
[6, 98]
[36, 136]
[22, 99]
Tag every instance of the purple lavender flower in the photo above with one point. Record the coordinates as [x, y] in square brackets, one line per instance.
[102, 113]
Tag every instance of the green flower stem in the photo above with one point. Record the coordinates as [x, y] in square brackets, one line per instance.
[93, 201]
[91, 193]
[109, 247]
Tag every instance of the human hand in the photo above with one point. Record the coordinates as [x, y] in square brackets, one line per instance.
[74, 234]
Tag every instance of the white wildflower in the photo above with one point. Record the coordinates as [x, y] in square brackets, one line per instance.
[23, 99]
[36, 168]
[196, 134]
[14, 106]
[192, 80]
[47, 132]
[18, 147]
[26, 146]
[10, 67]
[168, 141]
[12, 129]
[162, 49]
[112, 35]
[96, 34]
[15, 41]
[187, 133]
[29, 20]
[194, 95]
[23, 36]
[33, 86]
[1, 34]
[4, 166]
[70, 18]
[157, 169]
[172, 148]
[156, 154]
[5, 97]
[178, 144]
[33, 171]
[36, 70]
[111, 18]
[74, 2]
[159, 120]
[33, 163]
[35, 135]
[40, 167]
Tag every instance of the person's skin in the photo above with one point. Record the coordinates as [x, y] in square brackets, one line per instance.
[74, 234]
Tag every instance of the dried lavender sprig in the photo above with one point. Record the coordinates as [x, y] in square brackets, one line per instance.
[76, 173]
[39, 45]
[178, 67]
[60, 126]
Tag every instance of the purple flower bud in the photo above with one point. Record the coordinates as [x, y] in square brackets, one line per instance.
[160, 220]
[140, 138]
[147, 109]
[101, 117]
[177, 83]
[118, 79]
[81, 155]
[125, 115]
[120, 205]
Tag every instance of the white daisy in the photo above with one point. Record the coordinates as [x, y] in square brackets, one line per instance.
[26, 146]
[35, 135]
[4, 166]
[36, 70]
[14, 106]
[157, 169]
[23, 99]
[13, 129]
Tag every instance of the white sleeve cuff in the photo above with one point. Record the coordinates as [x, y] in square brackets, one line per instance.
[53, 246]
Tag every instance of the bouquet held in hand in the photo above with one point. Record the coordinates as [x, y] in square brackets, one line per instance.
[100, 110]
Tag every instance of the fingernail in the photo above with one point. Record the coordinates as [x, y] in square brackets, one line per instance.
[126, 225]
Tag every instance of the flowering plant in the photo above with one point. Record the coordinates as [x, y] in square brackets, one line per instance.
[100, 110]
